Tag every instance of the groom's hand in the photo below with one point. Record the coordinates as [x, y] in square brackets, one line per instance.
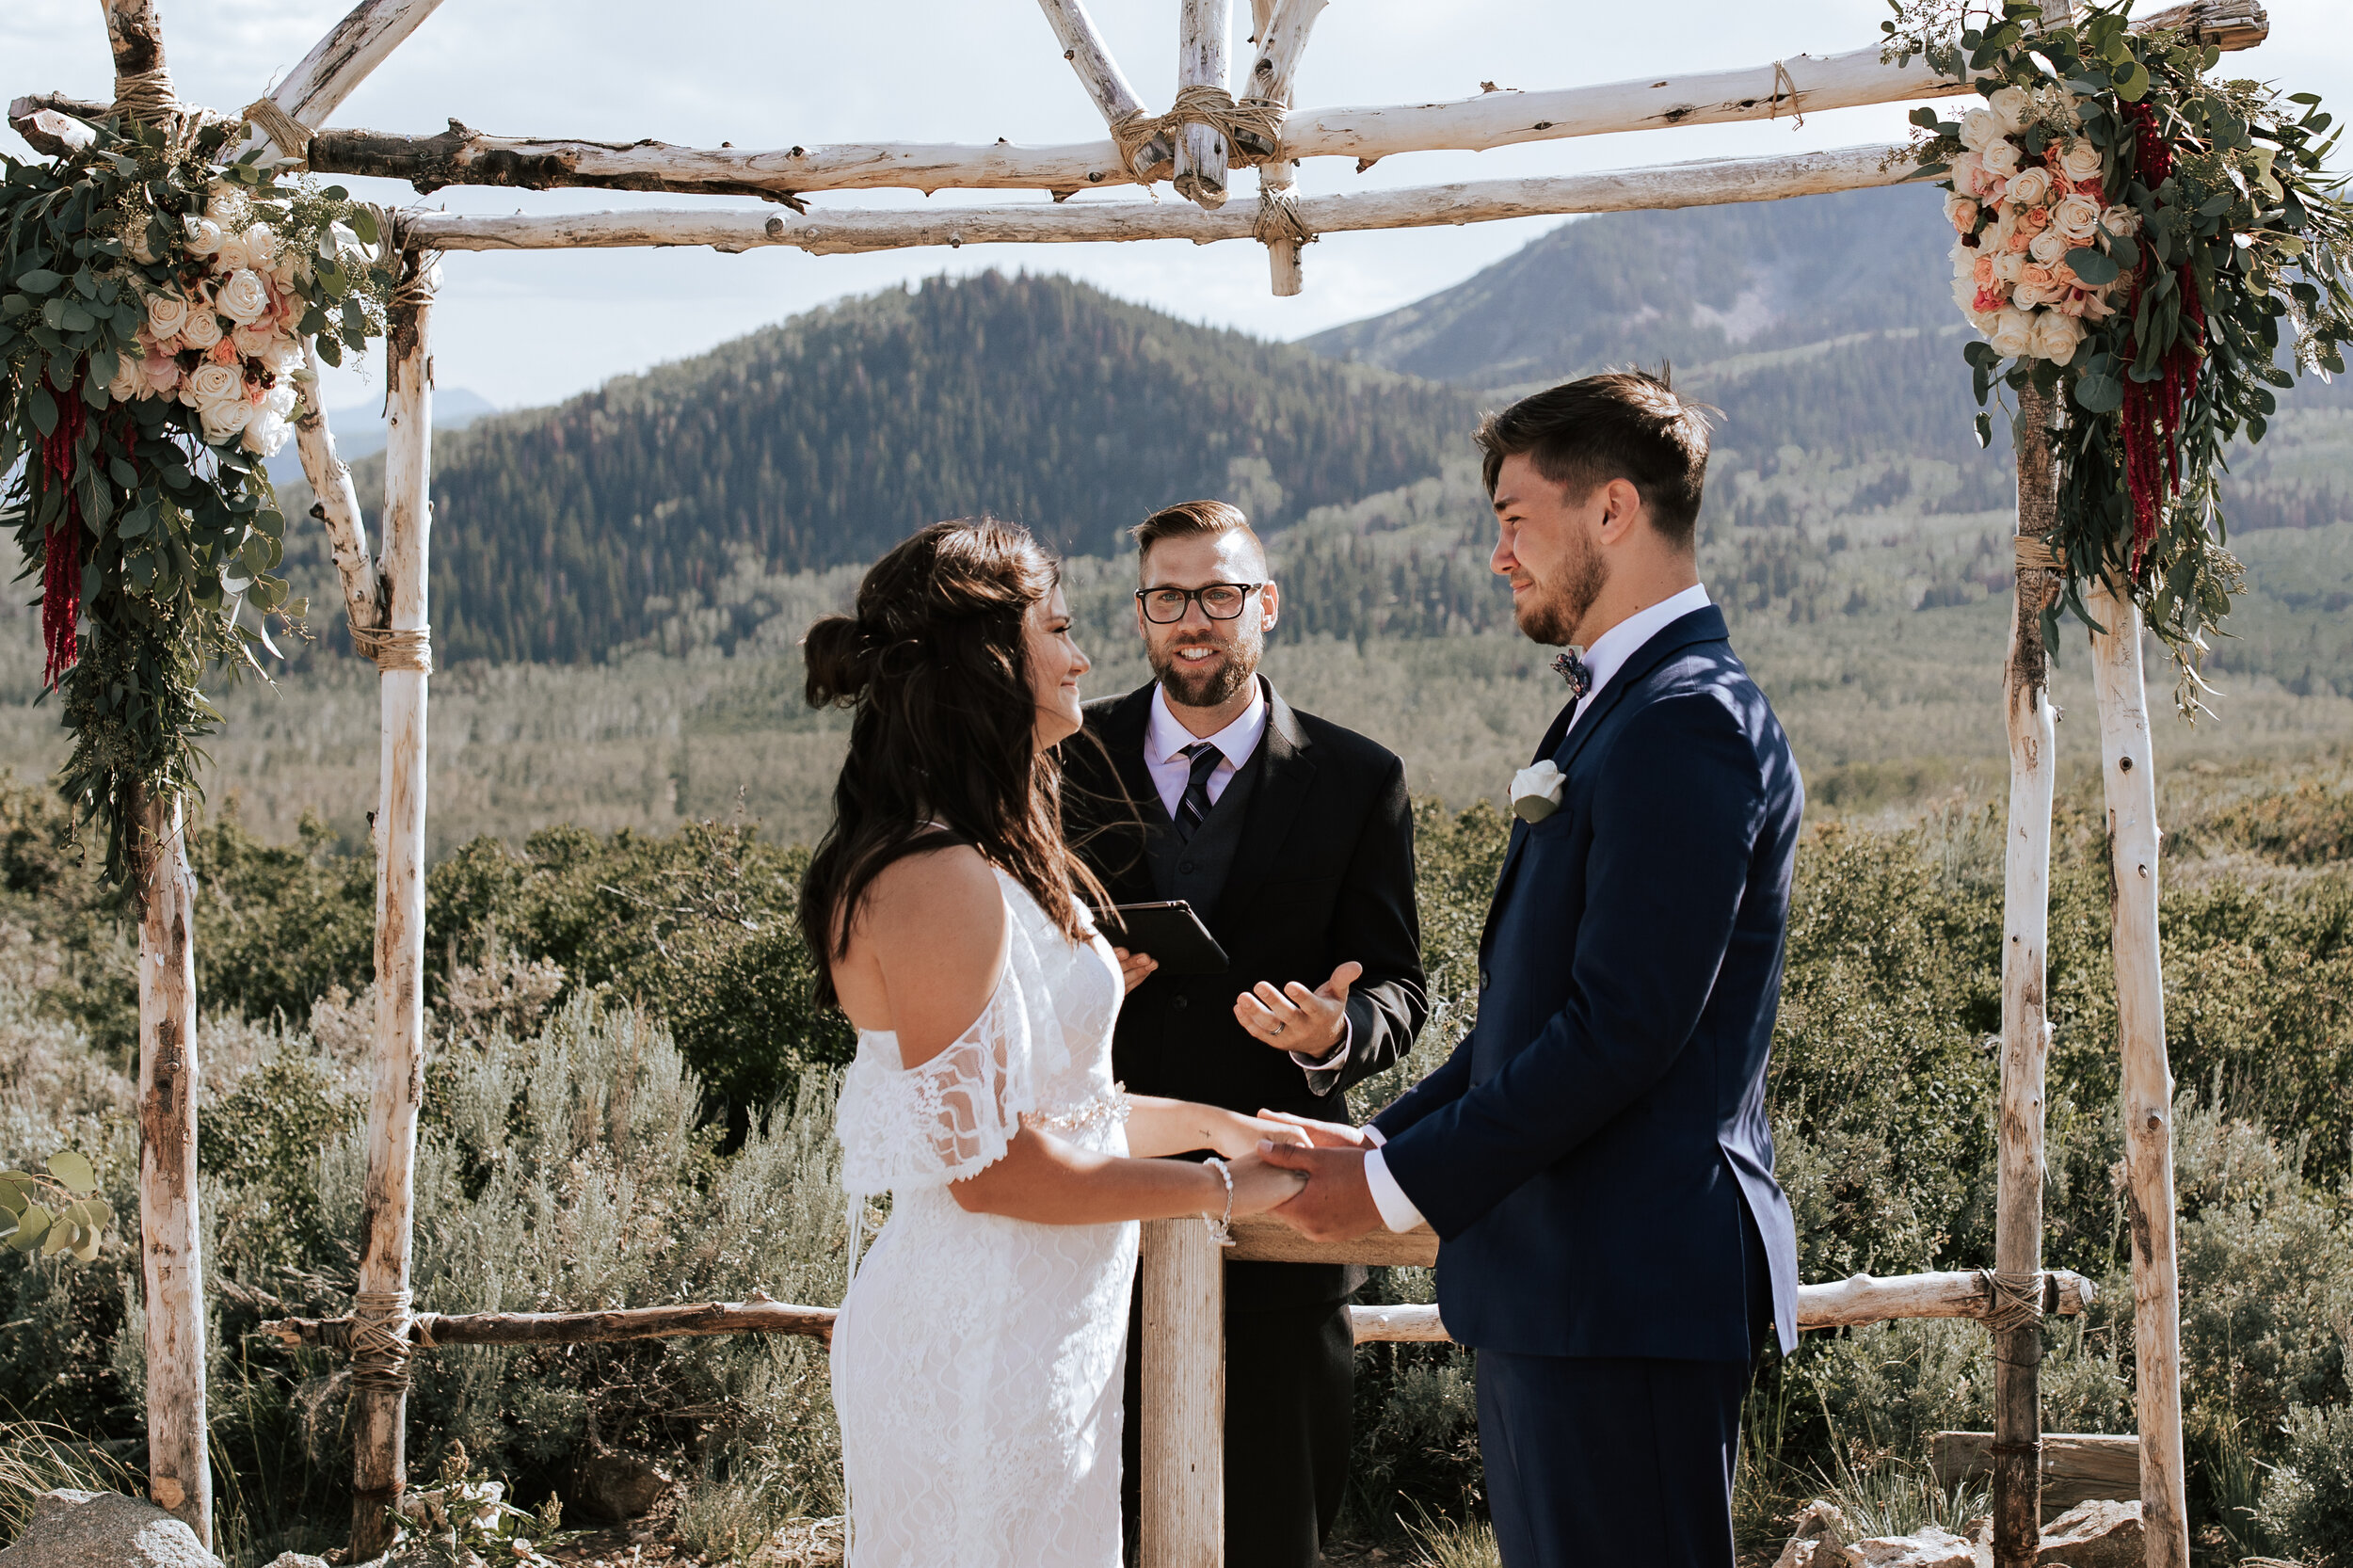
[1338, 1205]
[1321, 1135]
[1294, 1018]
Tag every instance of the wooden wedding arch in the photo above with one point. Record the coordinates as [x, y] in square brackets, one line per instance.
[1216, 124]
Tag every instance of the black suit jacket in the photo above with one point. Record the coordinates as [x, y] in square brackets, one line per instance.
[1324, 874]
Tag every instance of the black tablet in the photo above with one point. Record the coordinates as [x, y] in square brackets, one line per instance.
[1171, 932]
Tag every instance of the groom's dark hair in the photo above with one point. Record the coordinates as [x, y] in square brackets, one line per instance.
[1623, 425]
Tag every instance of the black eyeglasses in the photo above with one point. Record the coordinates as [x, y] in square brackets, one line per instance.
[1218, 600]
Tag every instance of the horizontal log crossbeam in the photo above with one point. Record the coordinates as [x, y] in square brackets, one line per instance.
[1844, 1305]
[1803, 83]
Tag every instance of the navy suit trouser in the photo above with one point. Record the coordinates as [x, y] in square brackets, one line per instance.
[1616, 1459]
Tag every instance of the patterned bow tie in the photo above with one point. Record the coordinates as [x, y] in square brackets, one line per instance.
[1571, 669]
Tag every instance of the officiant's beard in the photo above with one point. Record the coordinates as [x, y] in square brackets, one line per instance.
[1214, 680]
[1550, 613]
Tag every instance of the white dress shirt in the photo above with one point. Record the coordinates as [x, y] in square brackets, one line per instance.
[1604, 658]
[1164, 743]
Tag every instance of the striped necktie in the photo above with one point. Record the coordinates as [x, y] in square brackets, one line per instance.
[1195, 806]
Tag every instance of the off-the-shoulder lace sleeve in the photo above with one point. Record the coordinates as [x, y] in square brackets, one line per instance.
[946, 1118]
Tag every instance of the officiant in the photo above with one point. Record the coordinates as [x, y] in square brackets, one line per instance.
[1292, 838]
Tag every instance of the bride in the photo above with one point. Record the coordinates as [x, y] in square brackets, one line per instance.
[977, 1357]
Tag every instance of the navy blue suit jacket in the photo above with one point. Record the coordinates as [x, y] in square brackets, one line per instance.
[1587, 1153]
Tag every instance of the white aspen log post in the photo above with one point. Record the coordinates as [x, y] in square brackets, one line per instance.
[1366, 133]
[2128, 778]
[1183, 1441]
[2026, 1029]
[338, 63]
[179, 1466]
[178, 1469]
[335, 503]
[1704, 182]
[1203, 29]
[1106, 84]
[388, 1200]
[1282, 38]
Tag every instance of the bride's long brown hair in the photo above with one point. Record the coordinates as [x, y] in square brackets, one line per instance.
[935, 667]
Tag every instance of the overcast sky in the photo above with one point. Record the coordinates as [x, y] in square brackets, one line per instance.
[530, 328]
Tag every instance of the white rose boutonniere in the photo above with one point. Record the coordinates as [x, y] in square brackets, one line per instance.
[1536, 790]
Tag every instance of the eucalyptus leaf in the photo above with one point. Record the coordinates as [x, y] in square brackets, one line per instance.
[73, 1173]
[2095, 267]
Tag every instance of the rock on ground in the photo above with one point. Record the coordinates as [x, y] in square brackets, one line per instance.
[1931, 1547]
[2094, 1535]
[103, 1530]
[804, 1543]
[295, 1560]
[1817, 1539]
[615, 1488]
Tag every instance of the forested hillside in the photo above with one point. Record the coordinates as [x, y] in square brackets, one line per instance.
[825, 440]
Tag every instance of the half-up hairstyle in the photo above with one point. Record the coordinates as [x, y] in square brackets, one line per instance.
[935, 668]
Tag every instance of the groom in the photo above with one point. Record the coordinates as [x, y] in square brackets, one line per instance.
[1594, 1155]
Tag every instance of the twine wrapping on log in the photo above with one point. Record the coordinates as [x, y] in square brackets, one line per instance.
[381, 1321]
[2035, 554]
[146, 96]
[2014, 1300]
[1251, 124]
[394, 649]
[290, 136]
[1783, 79]
[1278, 217]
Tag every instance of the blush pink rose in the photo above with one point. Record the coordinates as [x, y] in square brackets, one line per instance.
[2020, 238]
[1989, 299]
[223, 352]
[2034, 218]
[162, 372]
[1981, 270]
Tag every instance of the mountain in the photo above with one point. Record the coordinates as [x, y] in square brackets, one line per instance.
[359, 430]
[827, 438]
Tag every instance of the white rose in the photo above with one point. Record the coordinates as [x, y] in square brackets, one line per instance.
[1984, 321]
[230, 256]
[2121, 221]
[254, 342]
[2012, 334]
[165, 317]
[1980, 129]
[1965, 293]
[2080, 160]
[1964, 166]
[2057, 337]
[224, 419]
[212, 385]
[261, 246]
[2048, 247]
[1536, 790]
[202, 330]
[266, 433]
[2060, 105]
[280, 400]
[2027, 187]
[2026, 297]
[225, 205]
[130, 379]
[2001, 157]
[200, 235]
[2077, 217]
[284, 355]
[244, 298]
[2008, 266]
[2013, 106]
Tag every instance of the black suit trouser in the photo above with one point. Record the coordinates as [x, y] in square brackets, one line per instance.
[1288, 1388]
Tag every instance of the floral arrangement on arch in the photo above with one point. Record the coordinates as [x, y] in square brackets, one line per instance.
[2155, 248]
[155, 300]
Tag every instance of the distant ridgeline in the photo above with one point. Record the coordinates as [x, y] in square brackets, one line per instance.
[677, 509]
[826, 440]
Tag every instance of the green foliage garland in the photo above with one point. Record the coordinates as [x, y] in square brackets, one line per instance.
[154, 301]
[2132, 235]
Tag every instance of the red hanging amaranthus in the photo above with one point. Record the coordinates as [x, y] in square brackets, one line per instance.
[2153, 409]
[61, 557]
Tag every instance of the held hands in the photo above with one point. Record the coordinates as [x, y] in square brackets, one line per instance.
[1257, 1186]
[1319, 1135]
[1297, 1019]
[1338, 1205]
[1236, 1136]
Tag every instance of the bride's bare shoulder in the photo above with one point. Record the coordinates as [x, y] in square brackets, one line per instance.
[932, 927]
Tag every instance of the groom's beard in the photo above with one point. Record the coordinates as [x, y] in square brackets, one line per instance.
[1550, 613]
[1206, 682]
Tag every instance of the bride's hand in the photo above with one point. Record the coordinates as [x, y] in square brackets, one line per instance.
[1258, 1186]
[1235, 1135]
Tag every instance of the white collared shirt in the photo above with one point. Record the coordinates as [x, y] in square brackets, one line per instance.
[1165, 739]
[1604, 658]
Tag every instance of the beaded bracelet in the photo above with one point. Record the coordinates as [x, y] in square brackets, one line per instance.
[1221, 1230]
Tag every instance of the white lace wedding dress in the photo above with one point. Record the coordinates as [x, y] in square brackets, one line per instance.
[977, 1359]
